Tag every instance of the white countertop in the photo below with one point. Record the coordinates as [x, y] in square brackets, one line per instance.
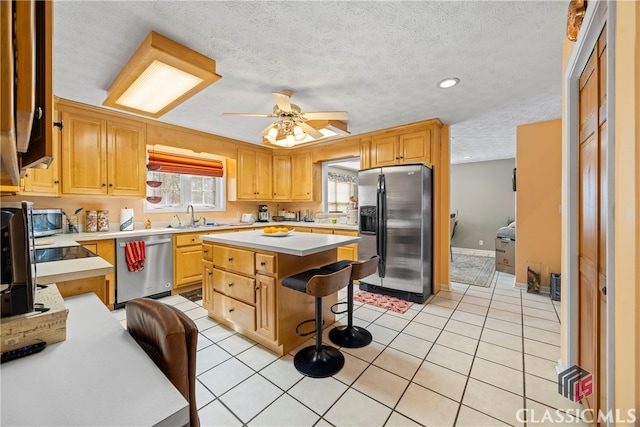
[295, 243]
[98, 376]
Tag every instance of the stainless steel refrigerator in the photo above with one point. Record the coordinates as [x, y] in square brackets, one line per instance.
[396, 222]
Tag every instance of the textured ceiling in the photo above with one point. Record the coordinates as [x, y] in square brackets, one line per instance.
[380, 61]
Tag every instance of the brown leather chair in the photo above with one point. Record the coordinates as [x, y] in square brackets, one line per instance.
[170, 339]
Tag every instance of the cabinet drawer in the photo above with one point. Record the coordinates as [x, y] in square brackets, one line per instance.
[234, 259]
[266, 263]
[235, 286]
[188, 239]
[322, 231]
[239, 313]
[207, 251]
[346, 232]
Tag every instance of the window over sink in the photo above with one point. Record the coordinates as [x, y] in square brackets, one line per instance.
[340, 185]
[173, 192]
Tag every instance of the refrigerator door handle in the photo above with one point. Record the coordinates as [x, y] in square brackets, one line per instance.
[381, 233]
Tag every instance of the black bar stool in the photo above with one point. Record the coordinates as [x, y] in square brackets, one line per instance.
[318, 361]
[352, 336]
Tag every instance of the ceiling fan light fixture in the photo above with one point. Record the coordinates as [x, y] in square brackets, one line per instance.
[159, 76]
[298, 133]
[273, 133]
[448, 82]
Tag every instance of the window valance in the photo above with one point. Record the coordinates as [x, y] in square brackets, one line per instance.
[184, 163]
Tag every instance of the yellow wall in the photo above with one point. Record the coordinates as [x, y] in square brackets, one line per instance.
[538, 198]
[627, 206]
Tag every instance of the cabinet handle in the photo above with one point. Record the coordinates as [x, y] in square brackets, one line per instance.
[38, 113]
[206, 251]
[230, 259]
[229, 284]
[257, 288]
[56, 182]
[104, 185]
[263, 263]
[59, 124]
[193, 239]
[110, 185]
[26, 175]
[209, 273]
[231, 310]
[604, 290]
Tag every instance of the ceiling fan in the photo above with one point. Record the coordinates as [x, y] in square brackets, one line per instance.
[291, 121]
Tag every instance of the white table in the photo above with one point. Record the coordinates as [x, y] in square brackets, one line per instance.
[98, 376]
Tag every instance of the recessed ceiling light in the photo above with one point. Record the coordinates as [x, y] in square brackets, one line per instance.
[466, 157]
[449, 82]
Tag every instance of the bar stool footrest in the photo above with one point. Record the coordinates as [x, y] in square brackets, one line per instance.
[333, 307]
[304, 334]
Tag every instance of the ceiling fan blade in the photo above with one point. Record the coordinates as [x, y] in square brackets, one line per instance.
[309, 130]
[266, 130]
[282, 100]
[247, 114]
[326, 115]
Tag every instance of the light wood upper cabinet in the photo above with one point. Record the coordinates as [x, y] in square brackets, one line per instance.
[45, 182]
[302, 177]
[254, 175]
[126, 158]
[281, 177]
[102, 157]
[401, 148]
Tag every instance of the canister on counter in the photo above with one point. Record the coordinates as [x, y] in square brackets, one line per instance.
[103, 221]
[91, 222]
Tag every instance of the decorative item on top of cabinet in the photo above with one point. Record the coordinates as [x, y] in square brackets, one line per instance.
[102, 154]
[254, 175]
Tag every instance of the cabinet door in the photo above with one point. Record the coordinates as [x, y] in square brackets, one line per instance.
[44, 182]
[384, 151]
[301, 177]
[416, 147]
[264, 176]
[187, 265]
[207, 285]
[281, 177]
[106, 249]
[84, 154]
[246, 174]
[126, 158]
[266, 306]
[348, 252]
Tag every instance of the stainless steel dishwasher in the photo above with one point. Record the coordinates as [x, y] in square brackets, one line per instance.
[155, 279]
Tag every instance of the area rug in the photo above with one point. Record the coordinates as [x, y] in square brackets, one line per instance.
[383, 301]
[472, 269]
[194, 295]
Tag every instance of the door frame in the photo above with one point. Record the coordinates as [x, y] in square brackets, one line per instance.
[598, 14]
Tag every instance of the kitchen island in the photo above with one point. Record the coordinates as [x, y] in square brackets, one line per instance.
[242, 277]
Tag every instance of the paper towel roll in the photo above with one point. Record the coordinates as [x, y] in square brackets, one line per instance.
[126, 219]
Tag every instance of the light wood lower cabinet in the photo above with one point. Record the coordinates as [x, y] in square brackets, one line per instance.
[242, 290]
[187, 259]
[106, 249]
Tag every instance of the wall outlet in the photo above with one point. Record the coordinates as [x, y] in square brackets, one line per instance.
[481, 242]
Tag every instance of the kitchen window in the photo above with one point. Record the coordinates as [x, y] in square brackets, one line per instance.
[173, 192]
[340, 184]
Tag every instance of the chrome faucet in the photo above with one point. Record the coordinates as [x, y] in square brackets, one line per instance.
[192, 221]
[179, 222]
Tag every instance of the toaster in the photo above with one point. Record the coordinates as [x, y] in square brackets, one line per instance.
[247, 218]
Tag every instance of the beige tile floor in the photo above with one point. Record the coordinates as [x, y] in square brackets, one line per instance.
[471, 356]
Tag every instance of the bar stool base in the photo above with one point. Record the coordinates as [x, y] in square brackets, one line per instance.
[350, 336]
[318, 364]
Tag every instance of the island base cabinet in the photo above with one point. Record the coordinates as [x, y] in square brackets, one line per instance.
[243, 290]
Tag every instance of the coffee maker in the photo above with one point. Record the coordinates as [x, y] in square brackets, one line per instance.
[17, 263]
[263, 213]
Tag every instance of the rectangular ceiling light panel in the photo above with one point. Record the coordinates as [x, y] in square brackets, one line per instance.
[159, 76]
